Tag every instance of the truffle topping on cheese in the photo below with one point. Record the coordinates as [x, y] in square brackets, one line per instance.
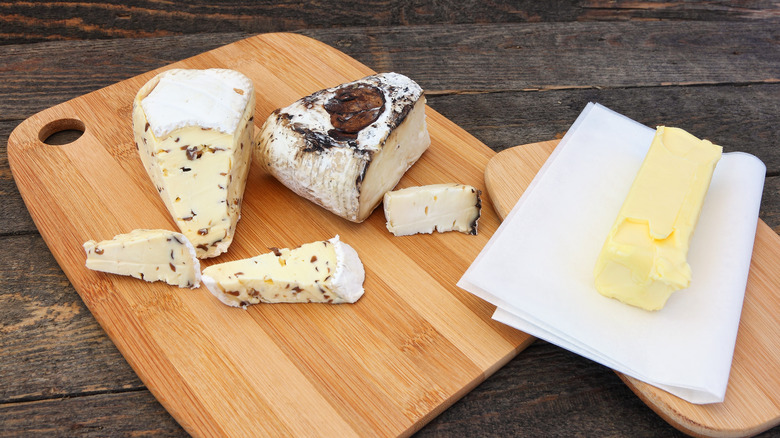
[344, 147]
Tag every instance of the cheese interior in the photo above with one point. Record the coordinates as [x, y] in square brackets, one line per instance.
[319, 272]
[151, 255]
[644, 259]
[402, 148]
[440, 207]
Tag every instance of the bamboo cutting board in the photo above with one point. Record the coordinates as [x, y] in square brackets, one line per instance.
[384, 366]
[752, 403]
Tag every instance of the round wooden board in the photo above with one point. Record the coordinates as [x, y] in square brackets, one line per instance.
[752, 403]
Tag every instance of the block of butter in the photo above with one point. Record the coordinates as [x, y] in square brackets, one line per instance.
[644, 258]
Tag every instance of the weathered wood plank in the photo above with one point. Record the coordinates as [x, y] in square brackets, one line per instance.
[14, 217]
[37, 76]
[543, 383]
[57, 347]
[531, 56]
[134, 413]
[770, 212]
[25, 22]
[549, 56]
[740, 118]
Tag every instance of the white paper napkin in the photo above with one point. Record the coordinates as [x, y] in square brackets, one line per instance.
[538, 266]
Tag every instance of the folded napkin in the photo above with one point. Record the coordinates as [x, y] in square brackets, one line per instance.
[538, 266]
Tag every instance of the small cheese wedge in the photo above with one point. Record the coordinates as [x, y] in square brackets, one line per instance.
[151, 255]
[194, 131]
[440, 207]
[327, 271]
[344, 147]
[644, 258]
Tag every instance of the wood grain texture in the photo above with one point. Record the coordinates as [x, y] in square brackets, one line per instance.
[528, 58]
[64, 348]
[386, 365]
[752, 401]
[24, 22]
[101, 415]
[534, 392]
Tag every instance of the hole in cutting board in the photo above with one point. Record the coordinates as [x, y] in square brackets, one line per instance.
[61, 132]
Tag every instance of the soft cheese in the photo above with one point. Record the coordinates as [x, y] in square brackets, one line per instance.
[644, 258]
[327, 271]
[440, 207]
[151, 255]
[194, 132]
[344, 147]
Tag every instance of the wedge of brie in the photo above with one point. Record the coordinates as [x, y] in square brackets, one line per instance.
[440, 207]
[151, 255]
[344, 147]
[328, 271]
[194, 132]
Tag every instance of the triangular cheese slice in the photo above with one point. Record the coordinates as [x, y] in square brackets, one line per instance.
[194, 132]
[151, 255]
[327, 271]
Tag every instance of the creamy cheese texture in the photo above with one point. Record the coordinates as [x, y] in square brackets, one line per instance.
[328, 271]
[151, 255]
[194, 132]
[344, 147]
[440, 207]
[644, 258]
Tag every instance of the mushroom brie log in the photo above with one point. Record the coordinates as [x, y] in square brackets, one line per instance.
[344, 147]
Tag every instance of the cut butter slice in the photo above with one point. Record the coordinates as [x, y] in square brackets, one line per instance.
[193, 130]
[440, 207]
[151, 255]
[327, 271]
[644, 258]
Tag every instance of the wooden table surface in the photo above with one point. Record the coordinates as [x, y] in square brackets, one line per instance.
[509, 72]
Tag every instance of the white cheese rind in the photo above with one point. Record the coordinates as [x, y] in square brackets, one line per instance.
[212, 99]
[151, 255]
[198, 169]
[440, 207]
[318, 272]
[301, 147]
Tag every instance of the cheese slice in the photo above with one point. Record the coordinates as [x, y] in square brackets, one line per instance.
[194, 132]
[440, 207]
[644, 258]
[151, 255]
[327, 271]
[344, 147]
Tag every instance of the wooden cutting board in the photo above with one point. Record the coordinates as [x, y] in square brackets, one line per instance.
[384, 366]
[752, 403]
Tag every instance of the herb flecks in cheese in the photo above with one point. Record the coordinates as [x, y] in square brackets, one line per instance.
[194, 132]
[440, 207]
[151, 255]
[344, 147]
[327, 271]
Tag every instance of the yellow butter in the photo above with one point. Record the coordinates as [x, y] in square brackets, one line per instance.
[644, 258]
